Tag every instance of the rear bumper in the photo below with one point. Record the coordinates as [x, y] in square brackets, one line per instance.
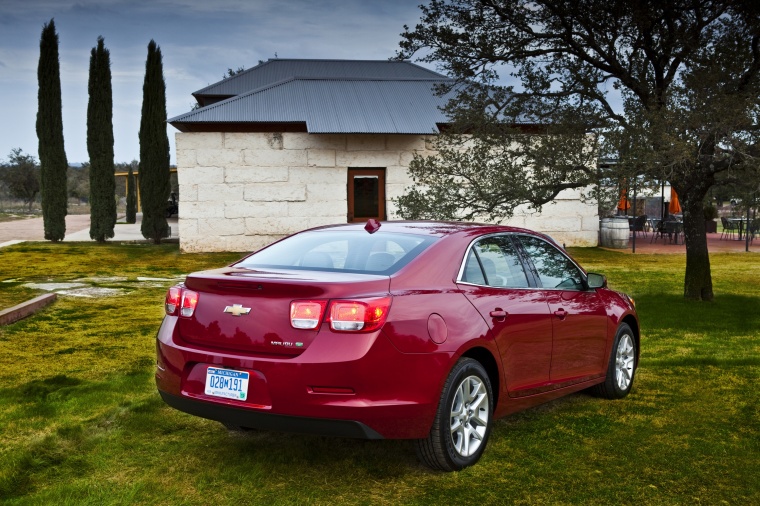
[269, 421]
[341, 385]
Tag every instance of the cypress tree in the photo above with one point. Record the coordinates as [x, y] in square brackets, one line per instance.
[131, 198]
[53, 163]
[154, 149]
[100, 145]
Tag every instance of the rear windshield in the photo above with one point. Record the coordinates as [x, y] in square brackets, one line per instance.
[340, 251]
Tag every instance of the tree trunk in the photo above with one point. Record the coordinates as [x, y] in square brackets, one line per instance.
[698, 279]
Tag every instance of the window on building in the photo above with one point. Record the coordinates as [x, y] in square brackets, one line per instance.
[366, 194]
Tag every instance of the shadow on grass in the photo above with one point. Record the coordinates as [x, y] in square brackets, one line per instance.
[727, 315]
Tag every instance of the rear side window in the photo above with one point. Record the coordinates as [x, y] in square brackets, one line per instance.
[341, 251]
[493, 261]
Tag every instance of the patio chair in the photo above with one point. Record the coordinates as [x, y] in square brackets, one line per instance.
[638, 224]
[658, 231]
[728, 228]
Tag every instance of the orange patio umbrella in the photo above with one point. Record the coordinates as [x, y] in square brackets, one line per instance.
[623, 203]
[675, 206]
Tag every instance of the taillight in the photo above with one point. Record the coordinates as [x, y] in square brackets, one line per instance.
[306, 314]
[359, 315]
[172, 300]
[189, 301]
[180, 300]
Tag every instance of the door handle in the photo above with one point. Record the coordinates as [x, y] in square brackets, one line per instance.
[560, 313]
[499, 314]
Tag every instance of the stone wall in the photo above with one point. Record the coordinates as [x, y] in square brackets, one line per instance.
[568, 220]
[241, 191]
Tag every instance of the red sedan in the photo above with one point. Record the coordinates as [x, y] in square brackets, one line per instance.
[418, 330]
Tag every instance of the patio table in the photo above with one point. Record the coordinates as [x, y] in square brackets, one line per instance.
[740, 222]
[675, 228]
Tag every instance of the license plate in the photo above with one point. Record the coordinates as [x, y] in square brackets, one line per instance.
[227, 383]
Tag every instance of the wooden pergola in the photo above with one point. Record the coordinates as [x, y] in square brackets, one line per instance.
[135, 173]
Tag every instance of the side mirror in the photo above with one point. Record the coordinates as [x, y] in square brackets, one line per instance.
[596, 280]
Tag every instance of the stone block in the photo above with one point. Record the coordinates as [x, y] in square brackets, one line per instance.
[221, 226]
[255, 209]
[397, 175]
[321, 221]
[287, 225]
[202, 175]
[391, 210]
[577, 239]
[200, 210]
[394, 191]
[365, 142]
[249, 243]
[275, 192]
[186, 158]
[199, 140]
[187, 192]
[218, 157]
[304, 141]
[337, 209]
[275, 225]
[253, 140]
[220, 192]
[274, 158]
[188, 227]
[324, 192]
[361, 159]
[332, 175]
[321, 157]
[552, 224]
[515, 221]
[27, 308]
[569, 194]
[430, 142]
[590, 223]
[249, 174]
[404, 142]
[202, 244]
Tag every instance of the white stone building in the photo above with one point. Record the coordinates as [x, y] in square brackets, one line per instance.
[294, 144]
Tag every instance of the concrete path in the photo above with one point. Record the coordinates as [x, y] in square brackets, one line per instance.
[77, 229]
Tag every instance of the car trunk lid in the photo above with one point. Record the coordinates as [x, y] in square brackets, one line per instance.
[249, 310]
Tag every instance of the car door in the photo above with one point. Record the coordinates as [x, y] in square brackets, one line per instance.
[579, 317]
[494, 280]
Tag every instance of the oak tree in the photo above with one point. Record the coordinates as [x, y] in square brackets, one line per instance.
[669, 89]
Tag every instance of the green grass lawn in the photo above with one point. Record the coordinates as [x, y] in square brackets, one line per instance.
[81, 421]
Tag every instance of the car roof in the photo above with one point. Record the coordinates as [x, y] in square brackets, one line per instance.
[435, 228]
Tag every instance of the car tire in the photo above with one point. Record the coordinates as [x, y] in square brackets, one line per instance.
[622, 366]
[463, 421]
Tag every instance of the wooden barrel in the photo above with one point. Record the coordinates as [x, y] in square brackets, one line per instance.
[615, 233]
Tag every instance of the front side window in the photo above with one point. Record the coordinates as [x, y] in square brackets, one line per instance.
[554, 269]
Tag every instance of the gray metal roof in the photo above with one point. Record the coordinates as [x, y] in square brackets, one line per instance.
[330, 105]
[277, 70]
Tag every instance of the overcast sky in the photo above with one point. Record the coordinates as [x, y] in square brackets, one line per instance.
[199, 40]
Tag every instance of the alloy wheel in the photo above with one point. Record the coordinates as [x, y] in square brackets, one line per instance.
[624, 361]
[469, 416]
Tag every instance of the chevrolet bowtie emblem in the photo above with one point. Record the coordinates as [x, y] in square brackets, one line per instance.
[237, 310]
